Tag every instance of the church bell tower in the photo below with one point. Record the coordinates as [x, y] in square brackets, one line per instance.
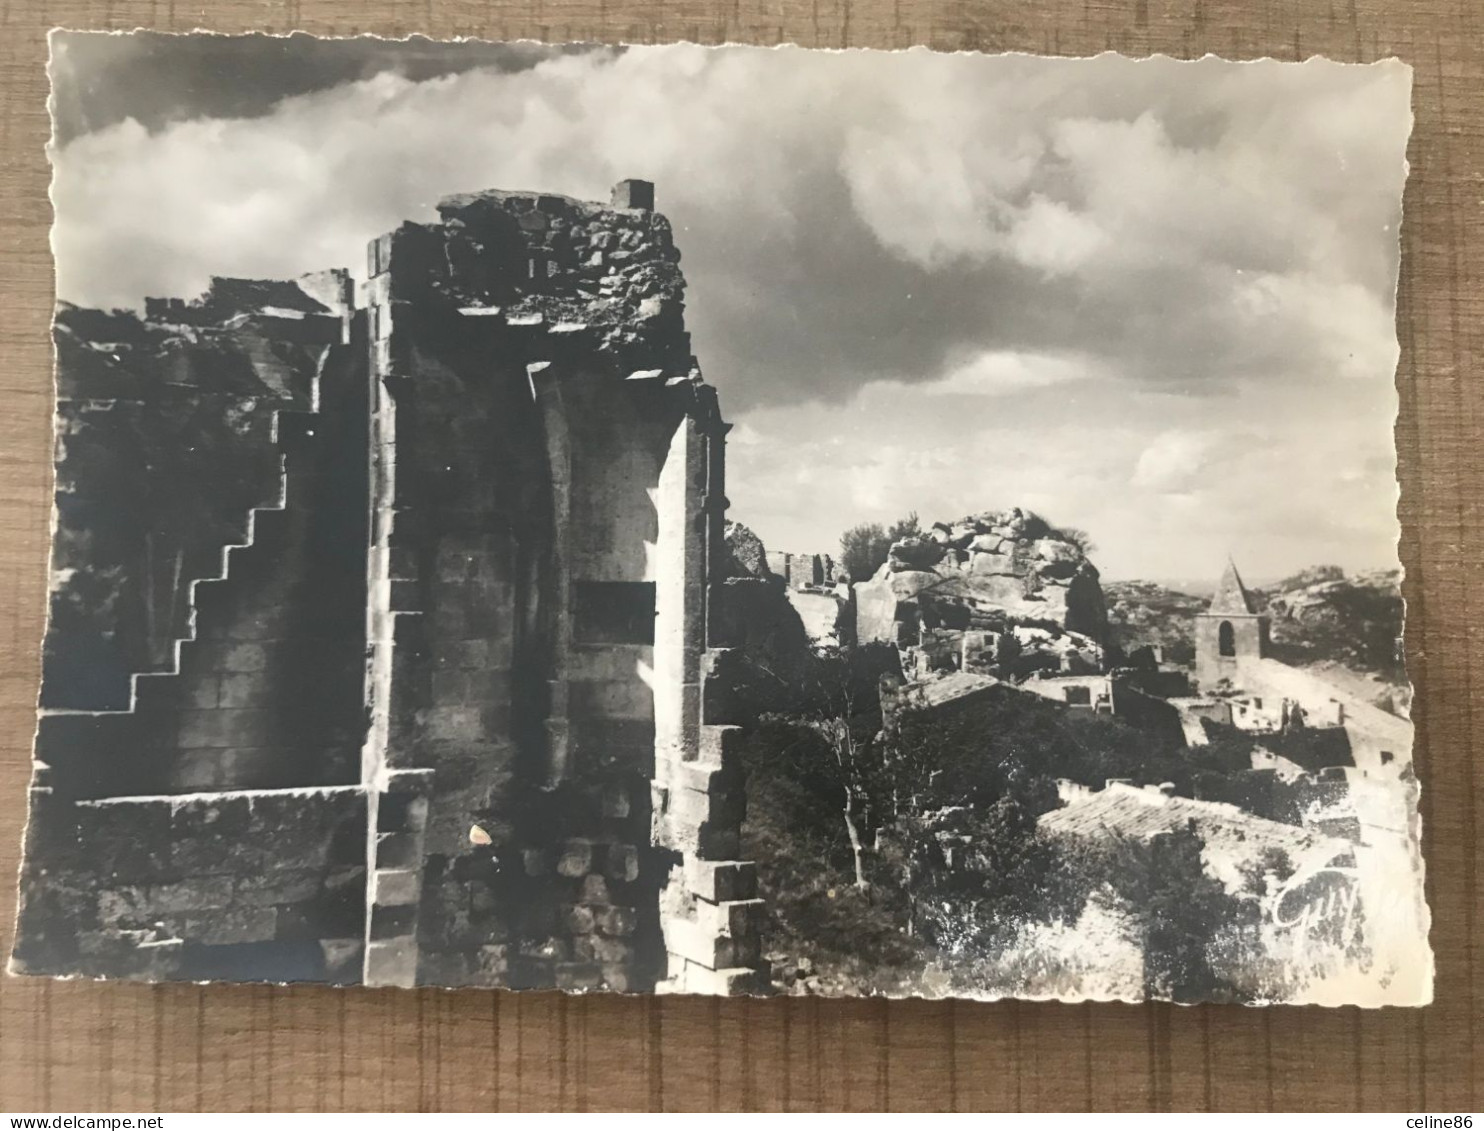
[1229, 634]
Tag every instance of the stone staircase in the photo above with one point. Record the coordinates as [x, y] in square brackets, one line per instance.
[106, 738]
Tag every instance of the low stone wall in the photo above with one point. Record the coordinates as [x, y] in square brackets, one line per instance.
[247, 886]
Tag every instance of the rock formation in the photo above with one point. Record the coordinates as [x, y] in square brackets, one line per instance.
[746, 556]
[988, 571]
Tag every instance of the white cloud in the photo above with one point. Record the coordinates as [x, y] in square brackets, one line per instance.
[1000, 372]
[920, 281]
[1050, 236]
[1176, 462]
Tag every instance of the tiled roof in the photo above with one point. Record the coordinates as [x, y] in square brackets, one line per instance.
[1146, 812]
[949, 688]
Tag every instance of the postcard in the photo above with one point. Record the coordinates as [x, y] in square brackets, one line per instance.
[725, 521]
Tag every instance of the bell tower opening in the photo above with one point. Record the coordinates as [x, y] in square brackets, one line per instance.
[1226, 639]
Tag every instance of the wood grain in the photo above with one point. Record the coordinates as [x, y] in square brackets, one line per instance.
[101, 1046]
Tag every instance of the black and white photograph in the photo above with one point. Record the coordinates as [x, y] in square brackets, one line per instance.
[725, 520]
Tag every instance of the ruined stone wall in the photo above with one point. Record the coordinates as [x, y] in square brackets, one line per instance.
[459, 533]
[139, 514]
[262, 689]
[525, 353]
[520, 657]
[242, 886]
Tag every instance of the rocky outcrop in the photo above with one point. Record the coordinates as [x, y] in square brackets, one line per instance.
[1321, 616]
[987, 571]
[746, 556]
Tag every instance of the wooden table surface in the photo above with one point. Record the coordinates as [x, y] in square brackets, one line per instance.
[76, 1046]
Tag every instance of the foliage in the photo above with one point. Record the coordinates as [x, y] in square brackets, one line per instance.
[1077, 537]
[886, 844]
[864, 549]
[1174, 909]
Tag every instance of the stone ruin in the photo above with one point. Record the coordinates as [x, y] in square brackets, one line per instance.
[793, 602]
[803, 571]
[409, 665]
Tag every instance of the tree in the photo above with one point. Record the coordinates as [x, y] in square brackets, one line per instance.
[903, 528]
[1174, 910]
[864, 549]
[1079, 538]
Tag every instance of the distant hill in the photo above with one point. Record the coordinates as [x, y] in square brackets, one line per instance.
[1320, 617]
[1145, 612]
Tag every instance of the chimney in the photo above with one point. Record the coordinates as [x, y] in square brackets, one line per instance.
[634, 194]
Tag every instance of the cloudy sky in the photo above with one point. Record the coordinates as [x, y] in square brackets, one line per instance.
[1150, 299]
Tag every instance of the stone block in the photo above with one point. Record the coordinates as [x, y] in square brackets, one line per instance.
[222, 728]
[192, 895]
[611, 699]
[392, 962]
[457, 723]
[236, 690]
[538, 861]
[455, 685]
[128, 903]
[244, 656]
[232, 925]
[690, 941]
[393, 922]
[342, 958]
[333, 915]
[615, 921]
[493, 958]
[612, 950]
[396, 887]
[551, 950]
[613, 801]
[215, 820]
[706, 776]
[727, 982]
[401, 812]
[130, 955]
[576, 858]
[621, 863]
[695, 808]
[579, 919]
[578, 976]
[445, 968]
[398, 850]
[206, 769]
[616, 977]
[401, 563]
[735, 919]
[721, 881]
[706, 841]
[594, 889]
[276, 886]
[203, 693]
